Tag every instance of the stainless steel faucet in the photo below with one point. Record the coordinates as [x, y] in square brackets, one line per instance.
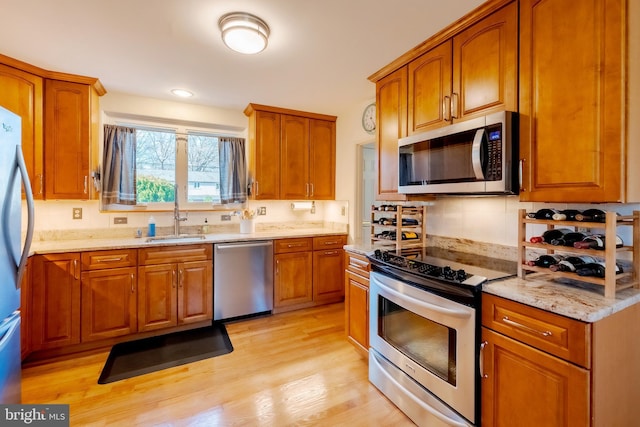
[176, 214]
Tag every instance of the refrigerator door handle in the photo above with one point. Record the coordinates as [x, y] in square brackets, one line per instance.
[7, 329]
[30, 215]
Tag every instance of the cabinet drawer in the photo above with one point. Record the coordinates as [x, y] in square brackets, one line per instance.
[98, 260]
[293, 245]
[357, 263]
[329, 242]
[561, 336]
[170, 254]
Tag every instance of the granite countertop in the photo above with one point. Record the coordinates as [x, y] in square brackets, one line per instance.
[571, 298]
[92, 244]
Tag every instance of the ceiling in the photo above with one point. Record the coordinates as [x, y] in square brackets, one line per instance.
[319, 56]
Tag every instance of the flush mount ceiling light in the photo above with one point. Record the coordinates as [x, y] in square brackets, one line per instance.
[182, 93]
[243, 32]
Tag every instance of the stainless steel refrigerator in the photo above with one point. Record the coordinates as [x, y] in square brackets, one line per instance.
[13, 252]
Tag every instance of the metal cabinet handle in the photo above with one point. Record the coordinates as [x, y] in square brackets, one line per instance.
[85, 184]
[446, 101]
[114, 259]
[41, 184]
[180, 277]
[133, 289]
[521, 174]
[481, 359]
[333, 242]
[75, 269]
[454, 106]
[173, 272]
[330, 252]
[312, 190]
[526, 328]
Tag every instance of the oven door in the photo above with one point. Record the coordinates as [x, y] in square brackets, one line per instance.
[427, 337]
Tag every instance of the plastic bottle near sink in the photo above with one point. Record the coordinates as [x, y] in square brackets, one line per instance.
[151, 232]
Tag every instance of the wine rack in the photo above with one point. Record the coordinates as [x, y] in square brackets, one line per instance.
[408, 219]
[612, 281]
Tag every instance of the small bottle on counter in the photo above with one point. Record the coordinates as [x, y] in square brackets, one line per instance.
[151, 232]
[205, 227]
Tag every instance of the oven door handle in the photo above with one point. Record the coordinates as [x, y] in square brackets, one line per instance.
[427, 305]
[442, 417]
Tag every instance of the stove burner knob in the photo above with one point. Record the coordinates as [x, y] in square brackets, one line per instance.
[385, 256]
[423, 268]
[461, 275]
[377, 254]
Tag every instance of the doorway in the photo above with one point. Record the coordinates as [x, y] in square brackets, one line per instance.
[366, 179]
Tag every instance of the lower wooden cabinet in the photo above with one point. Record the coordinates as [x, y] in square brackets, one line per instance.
[356, 284]
[308, 272]
[55, 313]
[542, 369]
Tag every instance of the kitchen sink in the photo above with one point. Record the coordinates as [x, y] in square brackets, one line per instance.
[174, 238]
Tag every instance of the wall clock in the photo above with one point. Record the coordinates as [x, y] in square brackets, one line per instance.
[369, 118]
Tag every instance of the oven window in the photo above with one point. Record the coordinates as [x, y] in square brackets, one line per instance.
[428, 343]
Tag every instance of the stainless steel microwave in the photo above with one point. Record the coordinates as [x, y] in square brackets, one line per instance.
[477, 156]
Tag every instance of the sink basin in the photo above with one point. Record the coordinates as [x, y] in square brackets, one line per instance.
[174, 238]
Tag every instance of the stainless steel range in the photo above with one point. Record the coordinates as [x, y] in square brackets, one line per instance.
[425, 331]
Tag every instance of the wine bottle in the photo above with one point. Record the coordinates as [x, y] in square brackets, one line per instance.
[596, 241]
[566, 215]
[543, 213]
[595, 269]
[568, 239]
[570, 263]
[550, 235]
[546, 260]
[592, 215]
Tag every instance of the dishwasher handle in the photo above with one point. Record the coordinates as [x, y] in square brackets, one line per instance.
[243, 245]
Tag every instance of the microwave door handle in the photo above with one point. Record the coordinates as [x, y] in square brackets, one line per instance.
[476, 148]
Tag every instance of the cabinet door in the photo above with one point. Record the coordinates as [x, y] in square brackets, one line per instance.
[108, 303]
[430, 89]
[293, 279]
[328, 275]
[357, 310]
[572, 100]
[195, 291]
[391, 99]
[67, 139]
[21, 92]
[294, 158]
[56, 300]
[524, 386]
[264, 162]
[157, 296]
[485, 64]
[322, 159]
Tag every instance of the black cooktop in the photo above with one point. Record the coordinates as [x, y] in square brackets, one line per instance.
[456, 268]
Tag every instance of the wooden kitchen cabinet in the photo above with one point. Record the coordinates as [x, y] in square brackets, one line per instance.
[55, 313]
[175, 286]
[572, 142]
[540, 368]
[109, 292]
[473, 73]
[308, 272]
[22, 93]
[291, 154]
[391, 110]
[356, 284]
[328, 269]
[293, 278]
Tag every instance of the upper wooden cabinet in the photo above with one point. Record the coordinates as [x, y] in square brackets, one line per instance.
[466, 70]
[60, 124]
[291, 154]
[572, 102]
[473, 73]
[21, 92]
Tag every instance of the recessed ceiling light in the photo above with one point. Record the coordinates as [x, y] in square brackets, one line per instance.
[243, 32]
[182, 93]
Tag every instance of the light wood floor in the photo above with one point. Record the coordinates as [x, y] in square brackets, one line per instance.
[287, 369]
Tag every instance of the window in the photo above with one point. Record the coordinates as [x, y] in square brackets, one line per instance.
[167, 158]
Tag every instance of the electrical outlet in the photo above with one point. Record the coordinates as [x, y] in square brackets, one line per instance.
[225, 217]
[120, 220]
[262, 210]
[343, 211]
[77, 213]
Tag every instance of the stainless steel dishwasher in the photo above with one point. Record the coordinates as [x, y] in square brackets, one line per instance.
[242, 279]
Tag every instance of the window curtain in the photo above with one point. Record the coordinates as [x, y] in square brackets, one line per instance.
[119, 165]
[233, 170]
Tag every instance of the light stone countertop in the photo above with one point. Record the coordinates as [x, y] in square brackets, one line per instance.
[94, 244]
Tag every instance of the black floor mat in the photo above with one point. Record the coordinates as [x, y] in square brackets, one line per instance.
[134, 358]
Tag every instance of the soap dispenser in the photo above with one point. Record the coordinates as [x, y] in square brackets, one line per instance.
[152, 227]
[205, 227]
